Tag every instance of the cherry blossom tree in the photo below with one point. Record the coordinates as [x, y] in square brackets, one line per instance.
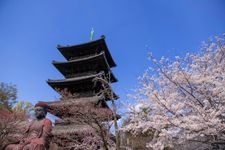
[183, 99]
[13, 115]
[12, 126]
[107, 89]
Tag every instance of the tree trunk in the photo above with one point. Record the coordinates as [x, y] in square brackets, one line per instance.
[116, 126]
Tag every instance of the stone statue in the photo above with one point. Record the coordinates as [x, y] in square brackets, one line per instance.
[37, 136]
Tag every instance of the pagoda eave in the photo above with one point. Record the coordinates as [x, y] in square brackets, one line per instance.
[81, 86]
[92, 63]
[85, 59]
[76, 109]
[81, 79]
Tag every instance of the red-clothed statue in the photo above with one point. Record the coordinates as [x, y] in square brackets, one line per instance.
[38, 134]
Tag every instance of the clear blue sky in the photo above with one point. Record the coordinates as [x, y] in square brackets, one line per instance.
[30, 31]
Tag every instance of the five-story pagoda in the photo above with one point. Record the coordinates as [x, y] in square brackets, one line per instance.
[84, 63]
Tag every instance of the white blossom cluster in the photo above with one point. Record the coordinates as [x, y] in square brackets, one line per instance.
[183, 99]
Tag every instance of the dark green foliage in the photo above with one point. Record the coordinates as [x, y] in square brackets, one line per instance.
[8, 95]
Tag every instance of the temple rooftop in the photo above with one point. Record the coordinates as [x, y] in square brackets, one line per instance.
[81, 86]
[94, 63]
[85, 49]
[77, 80]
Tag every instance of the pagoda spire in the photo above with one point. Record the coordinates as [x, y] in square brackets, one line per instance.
[92, 34]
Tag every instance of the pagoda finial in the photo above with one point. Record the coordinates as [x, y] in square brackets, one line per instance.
[92, 34]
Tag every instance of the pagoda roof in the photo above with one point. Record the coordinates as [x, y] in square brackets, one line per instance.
[77, 111]
[88, 48]
[94, 63]
[79, 84]
[93, 99]
[80, 79]
[62, 109]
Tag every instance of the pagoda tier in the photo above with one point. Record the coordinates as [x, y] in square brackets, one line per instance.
[74, 112]
[80, 86]
[86, 50]
[70, 109]
[83, 66]
[73, 134]
[58, 108]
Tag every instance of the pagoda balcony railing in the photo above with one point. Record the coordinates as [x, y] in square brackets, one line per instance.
[81, 74]
[86, 55]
